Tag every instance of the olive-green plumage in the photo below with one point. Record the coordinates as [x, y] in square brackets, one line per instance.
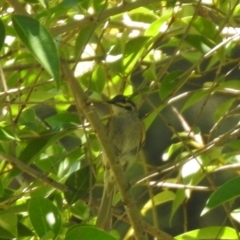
[126, 132]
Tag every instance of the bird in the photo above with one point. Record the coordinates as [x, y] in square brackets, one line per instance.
[126, 132]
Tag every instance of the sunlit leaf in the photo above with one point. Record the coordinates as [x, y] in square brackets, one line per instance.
[39, 42]
[228, 191]
[44, 216]
[80, 209]
[210, 233]
[180, 196]
[232, 84]
[204, 27]
[133, 51]
[200, 43]
[7, 135]
[223, 109]
[8, 221]
[87, 233]
[154, 28]
[158, 199]
[98, 79]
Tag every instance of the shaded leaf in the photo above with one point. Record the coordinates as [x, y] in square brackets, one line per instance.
[83, 38]
[196, 96]
[1, 188]
[148, 120]
[2, 34]
[223, 109]
[79, 182]
[63, 119]
[169, 83]
[37, 145]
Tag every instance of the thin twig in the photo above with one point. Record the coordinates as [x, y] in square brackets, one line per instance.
[83, 106]
[34, 173]
[100, 16]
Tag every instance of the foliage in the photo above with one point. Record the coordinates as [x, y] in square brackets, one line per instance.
[177, 60]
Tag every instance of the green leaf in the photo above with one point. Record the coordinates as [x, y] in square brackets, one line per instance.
[23, 231]
[40, 43]
[4, 234]
[233, 84]
[223, 109]
[8, 221]
[142, 14]
[88, 233]
[169, 83]
[39, 96]
[199, 42]
[99, 5]
[64, 6]
[37, 145]
[83, 38]
[224, 233]
[1, 188]
[171, 150]
[150, 72]
[224, 193]
[44, 216]
[80, 209]
[2, 34]
[192, 57]
[7, 135]
[80, 183]
[158, 199]
[98, 79]
[196, 96]
[63, 119]
[180, 196]
[154, 28]
[134, 49]
[204, 27]
[151, 117]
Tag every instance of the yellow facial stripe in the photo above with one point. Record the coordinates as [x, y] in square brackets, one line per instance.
[127, 105]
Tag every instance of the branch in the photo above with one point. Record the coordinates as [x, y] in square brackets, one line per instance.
[83, 106]
[18, 8]
[98, 17]
[34, 173]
